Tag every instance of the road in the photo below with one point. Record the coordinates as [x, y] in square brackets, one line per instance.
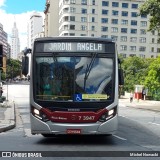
[138, 131]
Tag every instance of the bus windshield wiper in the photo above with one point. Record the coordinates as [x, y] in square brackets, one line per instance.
[55, 62]
[88, 69]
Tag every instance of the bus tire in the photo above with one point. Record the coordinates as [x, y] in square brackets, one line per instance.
[47, 135]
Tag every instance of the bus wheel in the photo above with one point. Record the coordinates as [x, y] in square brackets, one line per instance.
[47, 135]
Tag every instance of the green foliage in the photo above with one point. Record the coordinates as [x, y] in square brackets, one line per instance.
[135, 71]
[145, 72]
[13, 68]
[152, 8]
[152, 80]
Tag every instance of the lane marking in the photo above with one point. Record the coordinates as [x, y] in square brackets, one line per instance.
[121, 138]
[154, 123]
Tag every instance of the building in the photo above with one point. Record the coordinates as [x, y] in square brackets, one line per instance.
[116, 19]
[35, 26]
[4, 40]
[15, 43]
[6, 46]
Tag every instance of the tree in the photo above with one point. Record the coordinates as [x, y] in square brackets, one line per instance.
[135, 70]
[13, 68]
[152, 80]
[152, 8]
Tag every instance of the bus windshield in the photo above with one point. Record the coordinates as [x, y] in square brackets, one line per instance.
[74, 78]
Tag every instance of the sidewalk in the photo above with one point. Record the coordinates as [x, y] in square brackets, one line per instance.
[141, 104]
[7, 116]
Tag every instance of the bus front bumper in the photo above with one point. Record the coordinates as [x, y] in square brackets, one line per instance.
[105, 128]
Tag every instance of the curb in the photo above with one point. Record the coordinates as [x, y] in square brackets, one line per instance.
[137, 107]
[9, 122]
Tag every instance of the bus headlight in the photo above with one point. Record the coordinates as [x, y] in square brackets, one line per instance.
[39, 114]
[36, 111]
[108, 115]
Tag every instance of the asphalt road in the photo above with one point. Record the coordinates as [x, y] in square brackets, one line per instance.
[138, 131]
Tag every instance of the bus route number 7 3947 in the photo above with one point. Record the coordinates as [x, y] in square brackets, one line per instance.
[86, 118]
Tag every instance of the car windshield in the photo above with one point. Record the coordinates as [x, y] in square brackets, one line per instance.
[70, 78]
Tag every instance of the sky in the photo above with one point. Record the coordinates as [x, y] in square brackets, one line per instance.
[19, 11]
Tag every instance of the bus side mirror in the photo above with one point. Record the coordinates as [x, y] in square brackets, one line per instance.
[121, 76]
[25, 65]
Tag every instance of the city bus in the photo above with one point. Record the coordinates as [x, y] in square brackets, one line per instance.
[74, 85]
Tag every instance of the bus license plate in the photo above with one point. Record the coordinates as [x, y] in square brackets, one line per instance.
[73, 131]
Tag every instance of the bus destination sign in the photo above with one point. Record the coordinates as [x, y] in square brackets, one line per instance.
[74, 47]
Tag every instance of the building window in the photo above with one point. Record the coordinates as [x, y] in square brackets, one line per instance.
[92, 35]
[65, 10]
[83, 27]
[134, 6]
[142, 31]
[114, 29]
[114, 21]
[104, 11]
[123, 30]
[104, 36]
[143, 16]
[133, 48]
[124, 5]
[93, 11]
[72, 10]
[105, 3]
[133, 14]
[143, 23]
[66, 27]
[124, 13]
[72, 18]
[133, 39]
[72, 27]
[123, 38]
[83, 19]
[115, 13]
[142, 56]
[66, 18]
[66, 1]
[123, 47]
[84, 2]
[104, 20]
[142, 40]
[104, 29]
[93, 28]
[72, 1]
[124, 22]
[83, 35]
[84, 11]
[114, 38]
[115, 4]
[133, 23]
[153, 32]
[142, 49]
[134, 31]
[72, 34]
[93, 19]
[158, 50]
[93, 2]
[152, 49]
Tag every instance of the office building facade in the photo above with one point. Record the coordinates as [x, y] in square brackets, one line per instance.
[35, 26]
[116, 19]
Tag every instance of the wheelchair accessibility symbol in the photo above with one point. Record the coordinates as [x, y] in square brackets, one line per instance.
[78, 97]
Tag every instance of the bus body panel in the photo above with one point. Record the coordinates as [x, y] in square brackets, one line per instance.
[39, 127]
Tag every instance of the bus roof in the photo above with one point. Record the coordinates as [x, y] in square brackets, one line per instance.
[74, 38]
